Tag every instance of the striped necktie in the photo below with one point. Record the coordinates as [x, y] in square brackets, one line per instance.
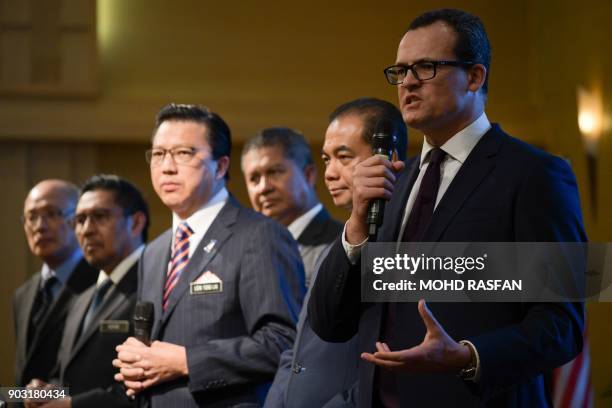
[178, 260]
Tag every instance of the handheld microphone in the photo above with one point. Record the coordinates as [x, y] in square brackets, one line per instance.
[143, 321]
[383, 143]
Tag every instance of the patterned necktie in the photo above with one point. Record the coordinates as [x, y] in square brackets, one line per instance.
[178, 260]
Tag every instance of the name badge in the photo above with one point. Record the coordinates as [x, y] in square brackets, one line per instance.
[114, 326]
[204, 288]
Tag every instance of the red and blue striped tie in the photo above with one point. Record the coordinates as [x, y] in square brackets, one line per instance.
[178, 260]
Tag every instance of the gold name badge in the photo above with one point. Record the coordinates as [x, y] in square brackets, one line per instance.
[204, 288]
[114, 326]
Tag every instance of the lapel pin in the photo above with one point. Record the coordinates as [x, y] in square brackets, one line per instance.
[210, 246]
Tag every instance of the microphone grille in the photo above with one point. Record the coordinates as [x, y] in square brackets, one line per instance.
[143, 310]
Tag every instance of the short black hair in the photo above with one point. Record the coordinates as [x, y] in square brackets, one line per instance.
[219, 136]
[292, 142]
[127, 196]
[472, 40]
[372, 110]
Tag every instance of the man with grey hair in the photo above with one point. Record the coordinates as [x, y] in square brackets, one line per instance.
[40, 305]
[280, 178]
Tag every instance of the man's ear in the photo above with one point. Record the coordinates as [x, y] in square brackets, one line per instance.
[310, 172]
[222, 167]
[477, 74]
[139, 220]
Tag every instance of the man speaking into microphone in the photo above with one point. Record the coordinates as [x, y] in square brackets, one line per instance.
[471, 183]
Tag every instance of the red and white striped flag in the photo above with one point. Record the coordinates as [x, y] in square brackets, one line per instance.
[571, 383]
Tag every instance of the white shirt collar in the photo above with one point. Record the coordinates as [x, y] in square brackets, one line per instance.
[120, 270]
[461, 144]
[200, 221]
[300, 223]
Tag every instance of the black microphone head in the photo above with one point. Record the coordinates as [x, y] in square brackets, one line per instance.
[383, 139]
[144, 311]
[143, 321]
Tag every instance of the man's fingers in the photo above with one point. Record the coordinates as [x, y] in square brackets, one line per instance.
[128, 356]
[390, 365]
[119, 377]
[430, 321]
[133, 373]
[133, 341]
[398, 165]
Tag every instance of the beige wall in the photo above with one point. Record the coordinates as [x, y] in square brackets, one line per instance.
[264, 63]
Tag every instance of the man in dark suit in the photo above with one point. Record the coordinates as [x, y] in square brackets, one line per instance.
[111, 224]
[40, 305]
[471, 183]
[280, 178]
[316, 373]
[226, 282]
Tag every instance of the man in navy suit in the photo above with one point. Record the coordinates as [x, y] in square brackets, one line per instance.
[316, 373]
[226, 282]
[111, 224]
[280, 179]
[471, 183]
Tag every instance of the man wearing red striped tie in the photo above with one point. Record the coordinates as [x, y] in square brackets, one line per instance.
[226, 282]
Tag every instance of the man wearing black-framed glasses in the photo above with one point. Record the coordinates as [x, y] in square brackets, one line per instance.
[471, 183]
[40, 305]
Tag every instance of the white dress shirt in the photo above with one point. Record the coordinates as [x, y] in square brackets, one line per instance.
[200, 221]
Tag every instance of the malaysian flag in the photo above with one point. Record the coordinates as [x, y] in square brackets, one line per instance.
[571, 383]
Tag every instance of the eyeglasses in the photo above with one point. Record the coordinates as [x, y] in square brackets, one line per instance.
[100, 217]
[180, 155]
[422, 70]
[50, 215]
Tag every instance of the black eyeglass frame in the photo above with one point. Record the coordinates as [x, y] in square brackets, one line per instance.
[434, 63]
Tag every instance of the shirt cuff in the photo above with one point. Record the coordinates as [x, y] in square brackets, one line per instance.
[353, 252]
[476, 377]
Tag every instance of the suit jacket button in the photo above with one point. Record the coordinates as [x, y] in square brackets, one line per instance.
[297, 368]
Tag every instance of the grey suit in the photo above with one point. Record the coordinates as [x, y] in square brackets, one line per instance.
[40, 359]
[234, 337]
[85, 360]
[319, 233]
[315, 373]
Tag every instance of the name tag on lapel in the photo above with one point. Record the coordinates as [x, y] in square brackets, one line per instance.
[114, 326]
[208, 282]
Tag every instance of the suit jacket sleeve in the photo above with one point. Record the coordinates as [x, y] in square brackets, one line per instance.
[335, 301]
[271, 290]
[547, 210]
[113, 396]
[276, 394]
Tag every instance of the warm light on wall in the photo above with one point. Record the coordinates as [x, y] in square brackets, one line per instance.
[590, 116]
[591, 124]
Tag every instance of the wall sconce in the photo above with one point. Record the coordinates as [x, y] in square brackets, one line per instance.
[590, 123]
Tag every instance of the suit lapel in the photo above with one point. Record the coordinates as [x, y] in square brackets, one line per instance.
[73, 325]
[476, 168]
[392, 231]
[56, 311]
[160, 255]
[24, 318]
[315, 228]
[219, 231]
[115, 298]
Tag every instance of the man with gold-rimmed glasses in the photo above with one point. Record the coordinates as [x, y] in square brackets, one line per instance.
[40, 305]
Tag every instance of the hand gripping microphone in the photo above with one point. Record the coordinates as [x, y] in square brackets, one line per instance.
[383, 143]
[143, 321]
